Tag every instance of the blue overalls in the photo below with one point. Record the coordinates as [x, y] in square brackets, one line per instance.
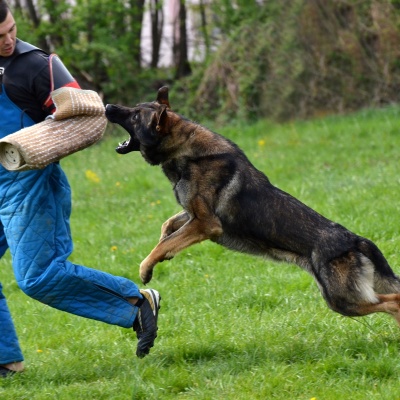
[35, 208]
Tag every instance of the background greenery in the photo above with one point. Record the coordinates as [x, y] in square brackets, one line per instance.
[231, 326]
[255, 59]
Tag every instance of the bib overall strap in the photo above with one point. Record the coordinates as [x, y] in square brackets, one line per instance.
[3, 70]
[1, 79]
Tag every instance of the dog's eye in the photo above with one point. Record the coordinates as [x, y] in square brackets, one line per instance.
[135, 118]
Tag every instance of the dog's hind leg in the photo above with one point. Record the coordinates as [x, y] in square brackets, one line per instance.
[348, 285]
[387, 303]
[385, 280]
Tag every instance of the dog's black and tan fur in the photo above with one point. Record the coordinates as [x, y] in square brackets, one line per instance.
[227, 200]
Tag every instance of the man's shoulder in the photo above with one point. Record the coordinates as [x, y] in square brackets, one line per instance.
[24, 47]
[33, 58]
[27, 68]
[26, 51]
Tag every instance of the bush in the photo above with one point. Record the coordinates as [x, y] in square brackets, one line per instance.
[299, 59]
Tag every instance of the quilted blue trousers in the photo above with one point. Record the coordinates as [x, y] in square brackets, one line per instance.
[35, 208]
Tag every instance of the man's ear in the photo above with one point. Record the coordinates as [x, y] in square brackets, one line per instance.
[161, 116]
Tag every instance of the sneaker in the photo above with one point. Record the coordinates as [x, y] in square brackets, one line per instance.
[145, 324]
[5, 372]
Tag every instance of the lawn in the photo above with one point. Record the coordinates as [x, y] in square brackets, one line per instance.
[232, 326]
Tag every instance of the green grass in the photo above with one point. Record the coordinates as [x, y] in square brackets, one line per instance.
[231, 326]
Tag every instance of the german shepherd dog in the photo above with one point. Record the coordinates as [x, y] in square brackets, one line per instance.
[227, 200]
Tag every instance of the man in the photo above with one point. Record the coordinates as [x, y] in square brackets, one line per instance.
[34, 214]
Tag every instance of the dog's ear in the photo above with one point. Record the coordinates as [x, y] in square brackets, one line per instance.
[162, 96]
[161, 116]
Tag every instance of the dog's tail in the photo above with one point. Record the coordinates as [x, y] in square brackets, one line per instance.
[385, 280]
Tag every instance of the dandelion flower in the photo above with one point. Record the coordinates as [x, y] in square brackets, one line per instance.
[261, 142]
[92, 176]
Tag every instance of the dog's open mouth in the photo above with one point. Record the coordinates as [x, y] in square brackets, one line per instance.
[123, 147]
[132, 144]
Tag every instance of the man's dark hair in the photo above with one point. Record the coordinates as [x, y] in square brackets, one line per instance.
[4, 9]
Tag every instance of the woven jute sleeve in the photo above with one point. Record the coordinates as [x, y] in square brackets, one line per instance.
[78, 122]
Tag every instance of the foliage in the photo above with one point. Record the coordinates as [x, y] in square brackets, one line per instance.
[98, 40]
[299, 58]
[281, 60]
[232, 326]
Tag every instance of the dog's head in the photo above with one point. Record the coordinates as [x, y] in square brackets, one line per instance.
[146, 124]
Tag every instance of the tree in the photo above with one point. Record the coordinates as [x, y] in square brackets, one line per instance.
[180, 45]
[157, 25]
[276, 59]
[203, 28]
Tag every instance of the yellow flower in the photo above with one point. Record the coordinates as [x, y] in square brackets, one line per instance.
[118, 184]
[261, 142]
[39, 351]
[114, 248]
[92, 176]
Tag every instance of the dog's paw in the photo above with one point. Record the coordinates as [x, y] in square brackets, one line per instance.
[146, 271]
[146, 278]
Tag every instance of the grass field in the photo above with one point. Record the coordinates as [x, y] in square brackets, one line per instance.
[231, 326]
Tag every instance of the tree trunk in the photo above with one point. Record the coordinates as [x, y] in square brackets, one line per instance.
[137, 7]
[157, 24]
[36, 19]
[180, 49]
[33, 13]
[204, 28]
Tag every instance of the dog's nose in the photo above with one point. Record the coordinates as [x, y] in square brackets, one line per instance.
[108, 109]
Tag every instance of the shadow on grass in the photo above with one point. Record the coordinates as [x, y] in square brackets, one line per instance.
[374, 356]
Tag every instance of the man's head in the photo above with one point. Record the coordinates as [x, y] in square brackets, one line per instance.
[8, 30]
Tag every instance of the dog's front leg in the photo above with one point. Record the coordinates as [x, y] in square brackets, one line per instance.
[193, 231]
[173, 224]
